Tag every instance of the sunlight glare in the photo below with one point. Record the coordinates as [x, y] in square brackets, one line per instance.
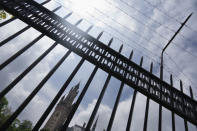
[82, 6]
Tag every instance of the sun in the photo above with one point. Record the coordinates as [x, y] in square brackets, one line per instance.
[83, 6]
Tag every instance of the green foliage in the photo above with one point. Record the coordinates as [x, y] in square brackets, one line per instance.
[17, 125]
[3, 14]
[3, 103]
[4, 110]
[25, 125]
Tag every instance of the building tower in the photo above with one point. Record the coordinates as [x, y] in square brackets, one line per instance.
[62, 110]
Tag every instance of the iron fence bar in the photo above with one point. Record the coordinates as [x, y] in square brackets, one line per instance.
[91, 119]
[160, 117]
[115, 107]
[56, 98]
[58, 95]
[192, 97]
[173, 122]
[185, 121]
[14, 35]
[69, 14]
[131, 111]
[8, 21]
[66, 29]
[11, 85]
[13, 57]
[9, 121]
[133, 102]
[160, 96]
[45, 2]
[14, 18]
[27, 70]
[21, 31]
[147, 102]
[191, 92]
[117, 100]
[77, 103]
[173, 116]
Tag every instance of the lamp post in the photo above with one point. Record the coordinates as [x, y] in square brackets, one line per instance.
[161, 67]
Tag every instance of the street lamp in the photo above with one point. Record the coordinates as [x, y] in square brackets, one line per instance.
[161, 67]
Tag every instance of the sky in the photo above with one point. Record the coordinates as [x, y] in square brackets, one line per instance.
[144, 26]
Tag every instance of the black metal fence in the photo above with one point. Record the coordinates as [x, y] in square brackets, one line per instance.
[100, 55]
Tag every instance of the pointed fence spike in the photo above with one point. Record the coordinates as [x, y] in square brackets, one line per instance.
[89, 28]
[172, 102]
[131, 55]
[120, 48]
[171, 79]
[69, 14]
[151, 67]
[58, 8]
[181, 85]
[183, 106]
[78, 22]
[141, 61]
[109, 44]
[99, 36]
[191, 92]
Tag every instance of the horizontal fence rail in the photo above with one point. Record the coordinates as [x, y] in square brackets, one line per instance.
[103, 57]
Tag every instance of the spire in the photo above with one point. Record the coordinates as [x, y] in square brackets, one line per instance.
[76, 88]
[94, 126]
[62, 100]
[72, 94]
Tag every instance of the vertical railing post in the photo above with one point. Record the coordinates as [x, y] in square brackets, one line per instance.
[161, 70]
[191, 92]
[160, 112]
[117, 101]
[100, 97]
[56, 98]
[147, 102]
[76, 105]
[59, 94]
[183, 103]
[27, 70]
[172, 98]
[31, 96]
[12, 58]
[133, 102]
[61, 91]
[22, 30]
[191, 95]
[8, 21]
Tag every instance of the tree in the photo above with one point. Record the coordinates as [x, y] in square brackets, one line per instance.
[3, 14]
[14, 126]
[4, 110]
[17, 125]
[3, 103]
[27, 125]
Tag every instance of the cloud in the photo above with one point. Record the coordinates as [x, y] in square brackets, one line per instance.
[151, 32]
[122, 113]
